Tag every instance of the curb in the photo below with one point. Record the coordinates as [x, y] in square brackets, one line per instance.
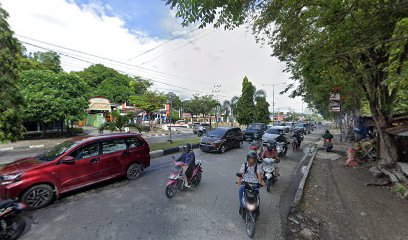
[21, 147]
[299, 191]
[168, 151]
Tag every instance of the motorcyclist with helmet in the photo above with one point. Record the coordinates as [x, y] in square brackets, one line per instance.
[188, 158]
[251, 173]
[270, 152]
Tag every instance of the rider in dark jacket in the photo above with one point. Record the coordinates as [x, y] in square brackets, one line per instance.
[188, 158]
[327, 135]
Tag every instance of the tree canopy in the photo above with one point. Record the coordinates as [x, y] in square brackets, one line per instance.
[111, 84]
[52, 97]
[355, 48]
[11, 100]
[245, 111]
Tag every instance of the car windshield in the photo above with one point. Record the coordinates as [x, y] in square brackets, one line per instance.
[216, 133]
[273, 131]
[55, 152]
[255, 126]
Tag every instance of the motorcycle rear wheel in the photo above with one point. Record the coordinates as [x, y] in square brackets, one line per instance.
[15, 227]
[171, 191]
[250, 225]
[197, 179]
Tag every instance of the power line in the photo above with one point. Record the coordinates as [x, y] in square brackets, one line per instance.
[79, 59]
[176, 48]
[96, 56]
[163, 43]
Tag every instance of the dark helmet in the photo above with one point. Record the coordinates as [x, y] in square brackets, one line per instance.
[252, 154]
[327, 131]
[187, 148]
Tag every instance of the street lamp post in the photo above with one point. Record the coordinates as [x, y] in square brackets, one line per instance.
[273, 99]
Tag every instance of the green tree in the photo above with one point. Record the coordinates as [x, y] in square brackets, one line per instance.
[226, 109]
[52, 97]
[245, 111]
[119, 122]
[111, 84]
[48, 60]
[355, 48]
[150, 102]
[262, 109]
[11, 100]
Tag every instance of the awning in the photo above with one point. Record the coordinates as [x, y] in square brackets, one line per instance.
[99, 107]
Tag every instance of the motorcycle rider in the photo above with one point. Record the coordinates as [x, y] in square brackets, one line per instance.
[298, 136]
[270, 152]
[328, 135]
[188, 158]
[282, 138]
[251, 173]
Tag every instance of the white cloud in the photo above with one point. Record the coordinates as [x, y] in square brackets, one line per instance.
[221, 57]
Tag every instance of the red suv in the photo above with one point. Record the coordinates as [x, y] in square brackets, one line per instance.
[73, 164]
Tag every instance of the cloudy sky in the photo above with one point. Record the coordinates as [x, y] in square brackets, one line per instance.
[143, 37]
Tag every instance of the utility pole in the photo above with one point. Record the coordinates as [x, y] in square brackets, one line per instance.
[273, 98]
[216, 90]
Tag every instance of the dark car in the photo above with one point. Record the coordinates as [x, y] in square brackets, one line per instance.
[254, 131]
[221, 139]
[73, 164]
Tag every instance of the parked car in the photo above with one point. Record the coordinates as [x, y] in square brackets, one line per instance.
[73, 164]
[254, 131]
[207, 127]
[222, 139]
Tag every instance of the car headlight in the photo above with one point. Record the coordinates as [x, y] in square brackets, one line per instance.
[7, 179]
[251, 206]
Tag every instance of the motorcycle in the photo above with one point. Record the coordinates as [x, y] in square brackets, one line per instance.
[280, 149]
[328, 144]
[295, 143]
[176, 180]
[251, 201]
[12, 224]
[268, 167]
[202, 132]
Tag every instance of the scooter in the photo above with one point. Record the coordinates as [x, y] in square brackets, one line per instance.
[328, 144]
[268, 167]
[251, 201]
[176, 180]
[295, 143]
[201, 132]
[280, 149]
[12, 224]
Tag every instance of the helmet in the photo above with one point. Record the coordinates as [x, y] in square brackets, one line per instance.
[327, 131]
[187, 148]
[252, 154]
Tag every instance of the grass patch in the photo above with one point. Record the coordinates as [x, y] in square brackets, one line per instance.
[175, 143]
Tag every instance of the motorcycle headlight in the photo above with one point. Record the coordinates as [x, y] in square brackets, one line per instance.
[7, 179]
[251, 206]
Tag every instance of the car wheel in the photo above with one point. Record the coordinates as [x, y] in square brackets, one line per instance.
[222, 149]
[38, 196]
[134, 171]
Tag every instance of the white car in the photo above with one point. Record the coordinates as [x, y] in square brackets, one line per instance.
[272, 133]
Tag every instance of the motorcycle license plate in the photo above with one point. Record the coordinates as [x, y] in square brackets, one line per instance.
[268, 175]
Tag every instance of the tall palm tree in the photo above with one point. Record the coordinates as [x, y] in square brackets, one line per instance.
[226, 108]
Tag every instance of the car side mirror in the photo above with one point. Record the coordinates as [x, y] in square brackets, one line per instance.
[68, 160]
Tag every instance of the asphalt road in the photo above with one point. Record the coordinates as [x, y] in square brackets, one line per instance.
[10, 156]
[139, 209]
